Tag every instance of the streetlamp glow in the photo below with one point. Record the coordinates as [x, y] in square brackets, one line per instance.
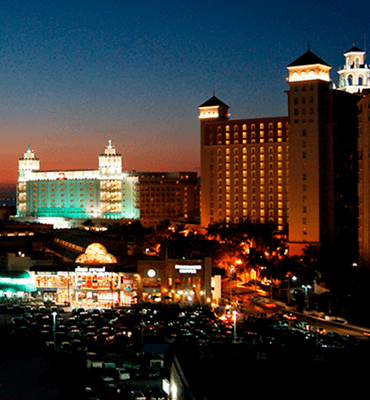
[54, 314]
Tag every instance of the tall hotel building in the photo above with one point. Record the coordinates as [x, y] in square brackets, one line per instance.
[301, 169]
[323, 158]
[64, 196]
[244, 167]
[364, 177]
[68, 198]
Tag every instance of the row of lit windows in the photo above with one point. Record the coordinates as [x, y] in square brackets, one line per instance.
[62, 183]
[262, 205]
[253, 182]
[262, 197]
[261, 134]
[253, 150]
[245, 158]
[245, 189]
[253, 126]
[244, 141]
[61, 189]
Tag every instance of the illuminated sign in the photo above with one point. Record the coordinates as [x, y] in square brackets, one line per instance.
[188, 269]
[61, 176]
[80, 270]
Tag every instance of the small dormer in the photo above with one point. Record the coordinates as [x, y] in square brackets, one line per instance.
[214, 110]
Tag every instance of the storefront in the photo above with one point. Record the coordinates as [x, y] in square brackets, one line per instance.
[176, 281]
[94, 280]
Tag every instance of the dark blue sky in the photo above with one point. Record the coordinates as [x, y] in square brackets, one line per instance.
[77, 73]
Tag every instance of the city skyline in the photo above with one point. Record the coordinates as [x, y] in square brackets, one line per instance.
[77, 74]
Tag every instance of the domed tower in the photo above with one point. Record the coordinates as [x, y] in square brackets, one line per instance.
[354, 77]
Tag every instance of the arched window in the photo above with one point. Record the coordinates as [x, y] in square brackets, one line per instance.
[296, 100]
[244, 127]
[236, 127]
[262, 126]
[360, 80]
[227, 128]
[253, 127]
[236, 151]
[357, 62]
[350, 80]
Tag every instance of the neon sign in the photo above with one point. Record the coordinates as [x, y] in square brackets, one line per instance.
[188, 269]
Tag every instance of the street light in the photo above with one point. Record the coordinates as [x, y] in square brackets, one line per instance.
[306, 287]
[235, 313]
[293, 278]
[54, 314]
[232, 269]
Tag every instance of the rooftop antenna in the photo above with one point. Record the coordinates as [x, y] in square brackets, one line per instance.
[364, 47]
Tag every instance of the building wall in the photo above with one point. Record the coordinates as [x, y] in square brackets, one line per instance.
[245, 170]
[171, 195]
[323, 192]
[364, 179]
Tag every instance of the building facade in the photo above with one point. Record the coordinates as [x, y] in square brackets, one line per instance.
[68, 198]
[364, 177]
[323, 205]
[301, 169]
[106, 193]
[170, 196]
[244, 167]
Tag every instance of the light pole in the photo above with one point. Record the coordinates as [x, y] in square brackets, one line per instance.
[235, 313]
[231, 284]
[306, 287]
[293, 278]
[54, 314]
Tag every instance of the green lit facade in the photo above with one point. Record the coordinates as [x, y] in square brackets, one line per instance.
[72, 196]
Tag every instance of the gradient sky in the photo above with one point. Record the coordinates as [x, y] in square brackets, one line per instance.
[77, 73]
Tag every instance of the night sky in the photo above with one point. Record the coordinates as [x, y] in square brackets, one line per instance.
[77, 73]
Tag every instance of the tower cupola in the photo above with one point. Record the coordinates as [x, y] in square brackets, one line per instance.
[110, 163]
[214, 109]
[308, 67]
[354, 76]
